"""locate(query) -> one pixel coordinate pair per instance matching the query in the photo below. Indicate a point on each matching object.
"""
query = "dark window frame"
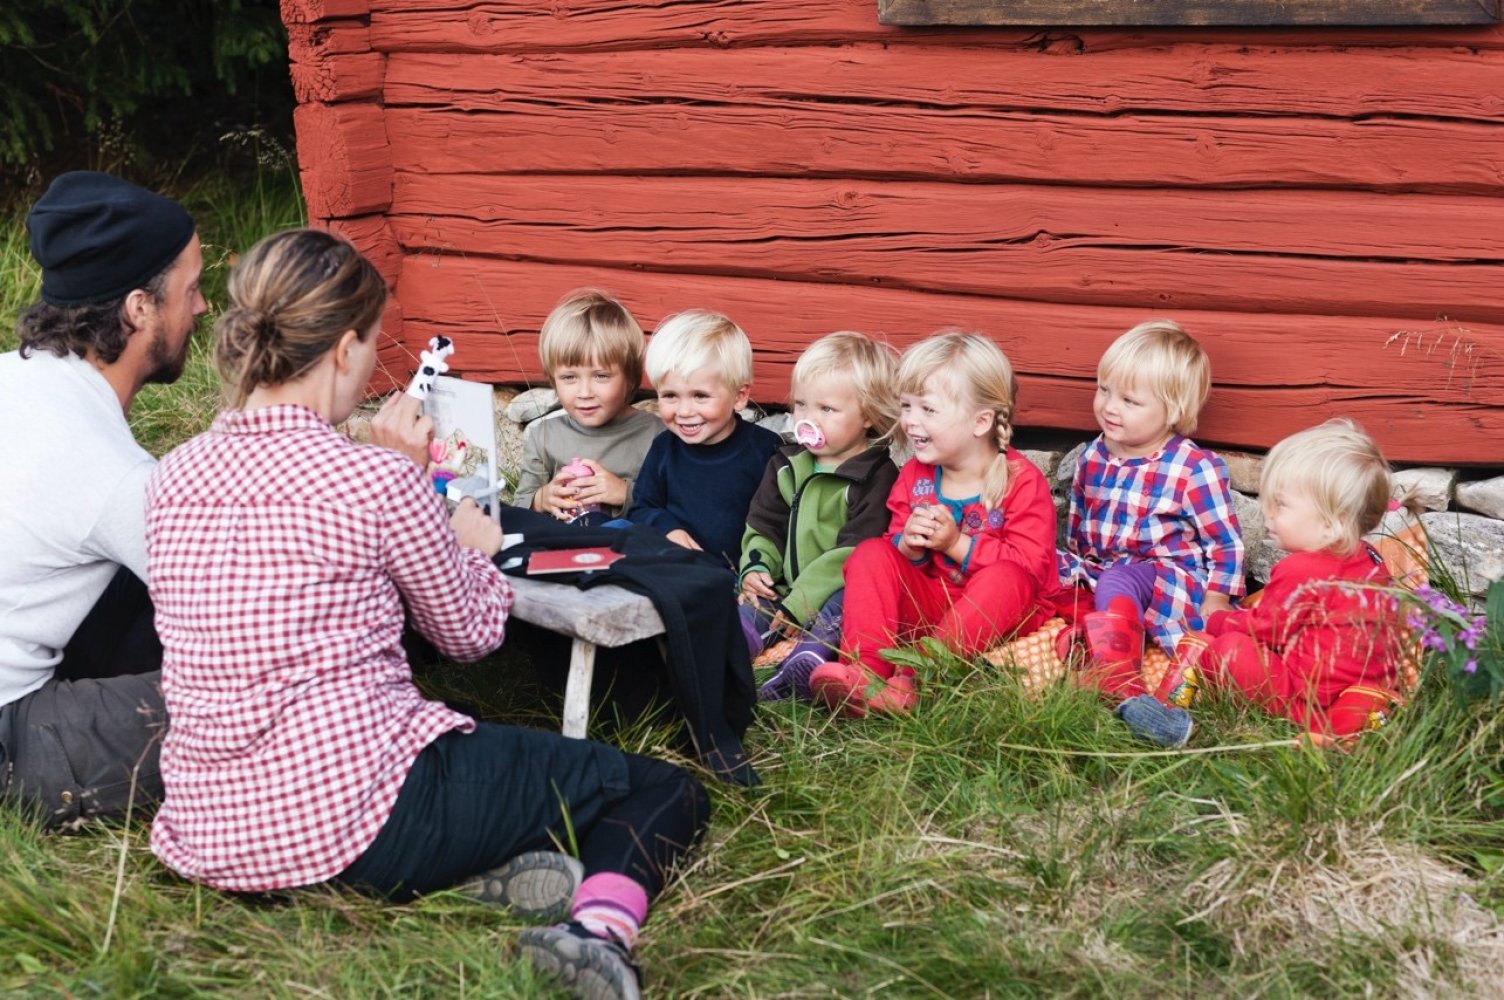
(1245, 13)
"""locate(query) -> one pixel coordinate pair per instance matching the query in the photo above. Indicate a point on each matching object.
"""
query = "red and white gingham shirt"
(280, 556)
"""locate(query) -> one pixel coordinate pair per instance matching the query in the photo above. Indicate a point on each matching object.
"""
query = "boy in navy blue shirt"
(697, 481)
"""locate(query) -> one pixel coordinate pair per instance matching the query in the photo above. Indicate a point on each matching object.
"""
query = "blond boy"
(591, 349)
(697, 481)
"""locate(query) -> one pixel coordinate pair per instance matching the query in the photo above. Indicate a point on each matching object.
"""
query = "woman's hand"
(474, 529)
(401, 426)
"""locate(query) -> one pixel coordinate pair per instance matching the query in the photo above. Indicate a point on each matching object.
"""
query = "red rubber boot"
(1115, 641)
(1357, 709)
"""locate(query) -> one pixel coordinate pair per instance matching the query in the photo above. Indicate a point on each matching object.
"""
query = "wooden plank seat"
(602, 616)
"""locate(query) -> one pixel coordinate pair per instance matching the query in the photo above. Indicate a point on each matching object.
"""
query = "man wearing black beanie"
(80, 698)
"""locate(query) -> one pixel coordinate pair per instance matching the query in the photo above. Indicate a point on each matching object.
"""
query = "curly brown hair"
(101, 326)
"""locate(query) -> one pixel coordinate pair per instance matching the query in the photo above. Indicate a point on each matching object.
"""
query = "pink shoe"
(853, 690)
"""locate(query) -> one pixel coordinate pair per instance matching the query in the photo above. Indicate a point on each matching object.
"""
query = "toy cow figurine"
(431, 365)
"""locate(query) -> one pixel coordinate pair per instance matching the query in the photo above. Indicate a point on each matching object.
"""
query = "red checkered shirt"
(281, 556)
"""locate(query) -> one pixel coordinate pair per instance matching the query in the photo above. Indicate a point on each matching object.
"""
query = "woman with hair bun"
(283, 559)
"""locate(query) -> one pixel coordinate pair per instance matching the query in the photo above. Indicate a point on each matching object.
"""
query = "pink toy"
(577, 469)
(808, 433)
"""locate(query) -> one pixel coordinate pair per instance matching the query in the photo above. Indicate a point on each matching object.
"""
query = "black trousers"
(474, 800)
(82, 744)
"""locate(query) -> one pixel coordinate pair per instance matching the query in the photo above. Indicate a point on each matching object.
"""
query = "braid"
(995, 484)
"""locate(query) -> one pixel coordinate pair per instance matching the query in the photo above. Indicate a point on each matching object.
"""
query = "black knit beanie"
(98, 237)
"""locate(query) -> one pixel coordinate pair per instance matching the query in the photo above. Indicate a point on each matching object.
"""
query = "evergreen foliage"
(113, 83)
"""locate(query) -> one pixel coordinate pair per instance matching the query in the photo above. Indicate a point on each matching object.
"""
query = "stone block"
(781, 424)
(1066, 470)
(1432, 486)
(1062, 520)
(1243, 470)
(1485, 496)
(1259, 555)
(532, 404)
(1470, 546)
(508, 434)
(1045, 461)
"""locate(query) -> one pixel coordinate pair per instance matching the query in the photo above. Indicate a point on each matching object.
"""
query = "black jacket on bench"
(709, 671)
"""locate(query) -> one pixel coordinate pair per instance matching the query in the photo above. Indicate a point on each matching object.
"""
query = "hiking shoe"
(536, 885)
(853, 690)
(792, 678)
(594, 968)
(1150, 719)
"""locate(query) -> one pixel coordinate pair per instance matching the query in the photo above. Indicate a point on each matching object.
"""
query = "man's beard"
(166, 367)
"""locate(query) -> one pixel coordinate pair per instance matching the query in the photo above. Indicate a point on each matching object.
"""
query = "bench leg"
(577, 688)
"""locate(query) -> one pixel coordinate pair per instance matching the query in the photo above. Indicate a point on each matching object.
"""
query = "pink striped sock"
(611, 906)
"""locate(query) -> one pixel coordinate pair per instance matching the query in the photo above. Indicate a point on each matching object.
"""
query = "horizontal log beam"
(1417, 257)
(1172, 151)
(1462, 84)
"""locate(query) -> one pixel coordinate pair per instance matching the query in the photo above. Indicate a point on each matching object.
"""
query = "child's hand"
(931, 527)
(555, 498)
(1213, 602)
(604, 487)
(401, 426)
(946, 531)
(681, 537)
(758, 584)
(474, 529)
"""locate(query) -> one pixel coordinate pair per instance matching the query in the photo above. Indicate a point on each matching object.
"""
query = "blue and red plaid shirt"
(1173, 509)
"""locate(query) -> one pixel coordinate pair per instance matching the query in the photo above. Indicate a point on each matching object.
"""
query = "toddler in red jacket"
(1323, 645)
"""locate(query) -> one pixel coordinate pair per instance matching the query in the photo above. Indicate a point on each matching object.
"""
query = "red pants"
(1270, 682)
(891, 602)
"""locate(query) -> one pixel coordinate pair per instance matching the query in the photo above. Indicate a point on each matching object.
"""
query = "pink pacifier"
(808, 433)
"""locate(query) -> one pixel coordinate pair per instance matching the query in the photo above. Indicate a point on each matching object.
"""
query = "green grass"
(993, 845)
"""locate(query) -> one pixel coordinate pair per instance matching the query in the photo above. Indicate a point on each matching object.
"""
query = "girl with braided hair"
(970, 546)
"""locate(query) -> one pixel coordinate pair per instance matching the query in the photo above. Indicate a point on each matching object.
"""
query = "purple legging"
(1134, 580)
(823, 634)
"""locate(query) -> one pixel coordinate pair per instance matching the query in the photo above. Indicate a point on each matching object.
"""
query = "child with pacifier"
(970, 545)
(1153, 542)
(817, 500)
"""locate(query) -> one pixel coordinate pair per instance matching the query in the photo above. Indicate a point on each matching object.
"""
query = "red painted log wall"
(1320, 207)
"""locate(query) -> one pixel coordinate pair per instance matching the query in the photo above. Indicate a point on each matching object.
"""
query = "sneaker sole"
(537, 885)
(591, 969)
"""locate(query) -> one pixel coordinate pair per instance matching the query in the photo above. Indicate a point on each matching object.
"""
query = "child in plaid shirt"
(1153, 542)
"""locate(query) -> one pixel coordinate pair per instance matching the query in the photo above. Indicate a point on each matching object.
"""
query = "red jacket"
(1324, 616)
(1020, 531)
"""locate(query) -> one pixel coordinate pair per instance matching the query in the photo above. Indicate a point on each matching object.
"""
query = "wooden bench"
(602, 616)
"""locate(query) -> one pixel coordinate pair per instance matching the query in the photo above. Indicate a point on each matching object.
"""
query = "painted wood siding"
(1321, 207)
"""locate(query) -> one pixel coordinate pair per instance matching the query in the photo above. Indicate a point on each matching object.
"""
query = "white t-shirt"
(72, 508)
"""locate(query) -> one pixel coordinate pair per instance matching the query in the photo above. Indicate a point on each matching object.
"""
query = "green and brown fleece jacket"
(803, 524)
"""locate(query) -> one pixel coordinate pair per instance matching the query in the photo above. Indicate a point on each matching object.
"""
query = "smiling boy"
(591, 348)
(697, 481)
